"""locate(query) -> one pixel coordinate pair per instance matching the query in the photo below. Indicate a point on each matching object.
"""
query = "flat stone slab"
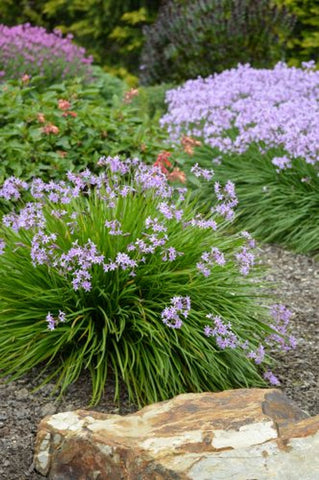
(244, 434)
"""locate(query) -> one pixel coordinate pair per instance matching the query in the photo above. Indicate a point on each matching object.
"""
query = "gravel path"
(297, 282)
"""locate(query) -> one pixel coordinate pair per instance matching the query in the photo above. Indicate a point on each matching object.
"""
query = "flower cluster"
(53, 322)
(26, 50)
(227, 200)
(202, 172)
(281, 340)
(2, 246)
(245, 259)
(189, 143)
(78, 261)
(225, 337)
(130, 94)
(11, 188)
(173, 174)
(163, 161)
(274, 108)
(180, 307)
(209, 259)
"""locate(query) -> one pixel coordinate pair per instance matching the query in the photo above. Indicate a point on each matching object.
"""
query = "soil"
(297, 283)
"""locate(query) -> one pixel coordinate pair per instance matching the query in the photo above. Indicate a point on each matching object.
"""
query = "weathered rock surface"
(248, 434)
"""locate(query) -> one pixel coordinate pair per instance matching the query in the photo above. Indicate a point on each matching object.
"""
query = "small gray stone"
(22, 394)
(48, 409)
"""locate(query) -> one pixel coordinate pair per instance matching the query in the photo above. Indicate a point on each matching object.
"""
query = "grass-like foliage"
(32, 51)
(117, 274)
(275, 206)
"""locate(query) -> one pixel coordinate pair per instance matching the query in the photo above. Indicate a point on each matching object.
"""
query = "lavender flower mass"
(273, 108)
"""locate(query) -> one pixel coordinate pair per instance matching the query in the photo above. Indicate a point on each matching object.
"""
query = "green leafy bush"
(190, 38)
(303, 43)
(118, 275)
(69, 126)
(109, 86)
(151, 100)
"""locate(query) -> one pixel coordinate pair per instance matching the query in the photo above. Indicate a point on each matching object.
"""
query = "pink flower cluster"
(274, 108)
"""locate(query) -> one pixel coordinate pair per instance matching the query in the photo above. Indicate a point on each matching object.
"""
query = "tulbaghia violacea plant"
(258, 127)
(118, 274)
(271, 107)
(27, 51)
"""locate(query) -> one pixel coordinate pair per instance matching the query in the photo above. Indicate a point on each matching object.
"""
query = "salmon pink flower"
(162, 161)
(130, 94)
(64, 104)
(69, 113)
(25, 79)
(177, 175)
(50, 128)
(41, 118)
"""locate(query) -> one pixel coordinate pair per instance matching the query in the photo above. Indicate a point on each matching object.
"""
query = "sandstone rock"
(248, 434)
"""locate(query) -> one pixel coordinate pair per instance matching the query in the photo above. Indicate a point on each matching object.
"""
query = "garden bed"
(297, 282)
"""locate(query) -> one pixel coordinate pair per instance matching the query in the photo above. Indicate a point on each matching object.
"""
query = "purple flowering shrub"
(27, 51)
(119, 274)
(259, 128)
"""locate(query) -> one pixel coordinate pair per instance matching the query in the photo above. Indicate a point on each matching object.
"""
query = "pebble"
(22, 394)
(48, 409)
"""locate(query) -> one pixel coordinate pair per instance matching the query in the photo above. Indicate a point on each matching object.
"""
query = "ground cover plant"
(259, 128)
(69, 125)
(32, 51)
(117, 273)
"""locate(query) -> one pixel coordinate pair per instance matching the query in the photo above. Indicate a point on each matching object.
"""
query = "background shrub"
(191, 38)
(303, 42)
(117, 274)
(32, 51)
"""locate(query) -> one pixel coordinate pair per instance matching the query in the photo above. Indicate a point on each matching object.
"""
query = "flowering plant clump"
(230, 111)
(117, 273)
(259, 128)
(27, 51)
